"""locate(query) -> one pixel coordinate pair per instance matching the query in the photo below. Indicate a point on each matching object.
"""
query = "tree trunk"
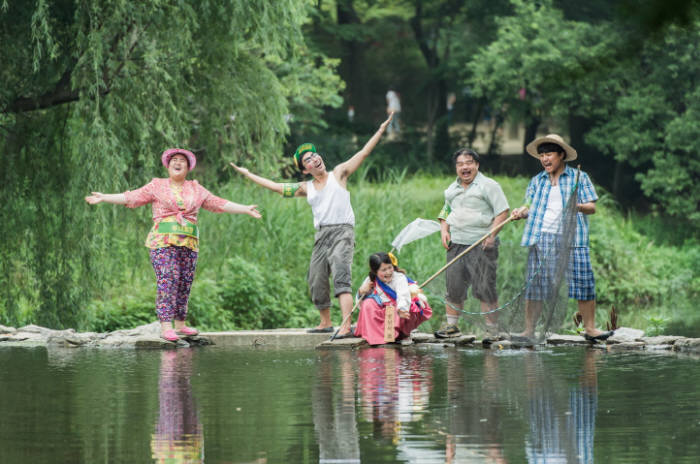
(352, 66)
(437, 135)
(476, 118)
(497, 123)
(532, 122)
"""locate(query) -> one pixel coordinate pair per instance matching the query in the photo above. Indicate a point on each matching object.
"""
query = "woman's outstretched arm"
(114, 198)
(236, 208)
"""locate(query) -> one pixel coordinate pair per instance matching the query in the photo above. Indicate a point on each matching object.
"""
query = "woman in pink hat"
(174, 238)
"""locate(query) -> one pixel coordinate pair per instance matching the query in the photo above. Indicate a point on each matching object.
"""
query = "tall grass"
(252, 274)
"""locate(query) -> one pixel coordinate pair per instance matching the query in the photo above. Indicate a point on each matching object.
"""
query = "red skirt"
(370, 323)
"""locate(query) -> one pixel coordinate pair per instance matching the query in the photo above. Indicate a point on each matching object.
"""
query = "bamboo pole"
(442, 269)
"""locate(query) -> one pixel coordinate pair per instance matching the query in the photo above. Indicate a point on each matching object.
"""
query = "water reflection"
(473, 410)
(414, 404)
(394, 389)
(379, 390)
(561, 417)
(333, 408)
(178, 436)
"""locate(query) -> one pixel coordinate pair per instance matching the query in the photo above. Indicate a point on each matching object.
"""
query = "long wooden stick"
(440, 271)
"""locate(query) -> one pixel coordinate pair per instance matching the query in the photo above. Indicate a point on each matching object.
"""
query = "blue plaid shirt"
(537, 195)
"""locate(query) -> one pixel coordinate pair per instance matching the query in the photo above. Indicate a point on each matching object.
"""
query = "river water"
(420, 404)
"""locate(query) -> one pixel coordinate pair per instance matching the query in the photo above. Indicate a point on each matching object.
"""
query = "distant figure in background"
(393, 105)
(451, 99)
(351, 113)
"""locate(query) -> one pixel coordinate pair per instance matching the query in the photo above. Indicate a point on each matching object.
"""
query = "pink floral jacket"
(159, 193)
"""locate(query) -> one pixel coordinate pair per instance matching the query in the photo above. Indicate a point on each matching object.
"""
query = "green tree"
(91, 93)
(618, 88)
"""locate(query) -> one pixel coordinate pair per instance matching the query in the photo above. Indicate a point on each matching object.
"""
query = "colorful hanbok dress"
(404, 295)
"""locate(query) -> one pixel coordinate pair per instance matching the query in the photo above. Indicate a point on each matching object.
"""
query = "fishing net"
(507, 283)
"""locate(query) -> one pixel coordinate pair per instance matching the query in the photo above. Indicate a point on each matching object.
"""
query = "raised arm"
(114, 198)
(343, 170)
(278, 187)
(267, 183)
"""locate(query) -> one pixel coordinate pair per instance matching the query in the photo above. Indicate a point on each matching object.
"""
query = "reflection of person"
(393, 106)
(546, 195)
(583, 403)
(552, 438)
(474, 203)
(379, 387)
(178, 436)
(333, 409)
(473, 412)
(334, 221)
(387, 286)
(395, 391)
(174, 238)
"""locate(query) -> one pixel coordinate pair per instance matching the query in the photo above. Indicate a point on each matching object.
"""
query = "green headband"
(301, 149)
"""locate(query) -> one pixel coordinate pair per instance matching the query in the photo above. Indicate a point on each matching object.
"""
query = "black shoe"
(599, 338)
(345, 335)
(324, 330)
(448, 331)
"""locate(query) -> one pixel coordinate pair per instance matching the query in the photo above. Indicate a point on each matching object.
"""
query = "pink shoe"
(188, 331)
(169, 335)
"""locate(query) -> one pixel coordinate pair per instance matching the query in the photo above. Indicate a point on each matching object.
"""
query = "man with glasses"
(474, 204)
(334, 221)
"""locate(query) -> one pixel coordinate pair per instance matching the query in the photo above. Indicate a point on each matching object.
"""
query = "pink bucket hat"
(169, 153)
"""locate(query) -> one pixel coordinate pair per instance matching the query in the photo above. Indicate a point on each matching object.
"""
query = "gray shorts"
(331, 256)
(477, 268)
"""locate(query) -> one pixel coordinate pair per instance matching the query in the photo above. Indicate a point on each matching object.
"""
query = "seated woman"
(387, 291)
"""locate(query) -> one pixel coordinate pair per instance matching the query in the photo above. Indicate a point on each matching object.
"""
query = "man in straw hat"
(474, 203)
(545, 197)
(334, 221)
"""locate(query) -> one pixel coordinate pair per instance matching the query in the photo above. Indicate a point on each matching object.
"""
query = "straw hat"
(167, 154)
(551, 138)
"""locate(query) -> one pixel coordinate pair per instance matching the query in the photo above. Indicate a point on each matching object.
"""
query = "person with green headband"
(334, 221)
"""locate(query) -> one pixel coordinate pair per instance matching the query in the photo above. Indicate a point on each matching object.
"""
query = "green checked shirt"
(470, 211)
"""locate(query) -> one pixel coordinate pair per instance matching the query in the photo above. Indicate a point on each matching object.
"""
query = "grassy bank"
(251, 274)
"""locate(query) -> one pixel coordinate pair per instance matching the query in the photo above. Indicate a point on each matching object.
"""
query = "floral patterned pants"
(174, 268)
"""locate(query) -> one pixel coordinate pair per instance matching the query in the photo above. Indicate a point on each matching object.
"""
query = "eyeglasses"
(308, 158)
(466, 163)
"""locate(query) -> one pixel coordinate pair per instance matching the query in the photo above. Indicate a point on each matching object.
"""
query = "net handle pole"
(486, 235)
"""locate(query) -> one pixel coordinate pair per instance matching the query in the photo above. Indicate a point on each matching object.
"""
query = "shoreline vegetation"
(253, 276)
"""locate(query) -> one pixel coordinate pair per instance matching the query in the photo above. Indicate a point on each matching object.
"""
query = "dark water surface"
(417, 405)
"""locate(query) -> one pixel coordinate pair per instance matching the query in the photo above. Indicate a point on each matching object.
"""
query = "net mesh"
(500, 301)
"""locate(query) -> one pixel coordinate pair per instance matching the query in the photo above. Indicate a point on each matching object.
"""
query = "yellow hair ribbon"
(393, 259)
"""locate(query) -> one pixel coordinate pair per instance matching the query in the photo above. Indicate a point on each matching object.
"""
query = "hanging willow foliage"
(92, 92)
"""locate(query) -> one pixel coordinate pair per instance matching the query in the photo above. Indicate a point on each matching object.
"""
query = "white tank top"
(330, 205)
(552, 215)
